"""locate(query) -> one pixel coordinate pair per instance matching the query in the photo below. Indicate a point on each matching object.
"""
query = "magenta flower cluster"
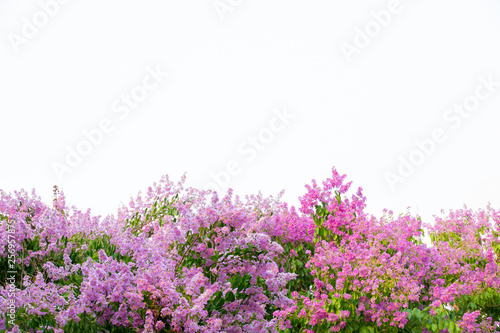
(179, 259)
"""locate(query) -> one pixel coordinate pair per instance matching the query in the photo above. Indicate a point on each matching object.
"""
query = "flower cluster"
(179, 259)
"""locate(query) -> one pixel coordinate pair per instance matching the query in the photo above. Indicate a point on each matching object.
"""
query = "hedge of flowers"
(179, 259)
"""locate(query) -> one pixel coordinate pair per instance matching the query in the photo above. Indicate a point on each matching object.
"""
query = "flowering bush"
(179, 259)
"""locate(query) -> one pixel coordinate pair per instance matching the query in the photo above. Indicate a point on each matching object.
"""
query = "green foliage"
(486, 300)
(443, 319)
(159, 209)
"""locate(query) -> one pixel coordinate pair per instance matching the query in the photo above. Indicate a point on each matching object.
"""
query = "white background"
(227, 74)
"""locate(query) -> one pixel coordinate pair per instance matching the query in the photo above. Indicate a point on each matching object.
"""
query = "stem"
(185, 252)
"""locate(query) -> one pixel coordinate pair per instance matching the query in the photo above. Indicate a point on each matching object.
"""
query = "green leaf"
(229, 296)
(217, 295)
(237, 281)
(366, 329)
(220, 303)
(451, 327)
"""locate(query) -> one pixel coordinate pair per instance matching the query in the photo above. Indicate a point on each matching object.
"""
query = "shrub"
(179, 259)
